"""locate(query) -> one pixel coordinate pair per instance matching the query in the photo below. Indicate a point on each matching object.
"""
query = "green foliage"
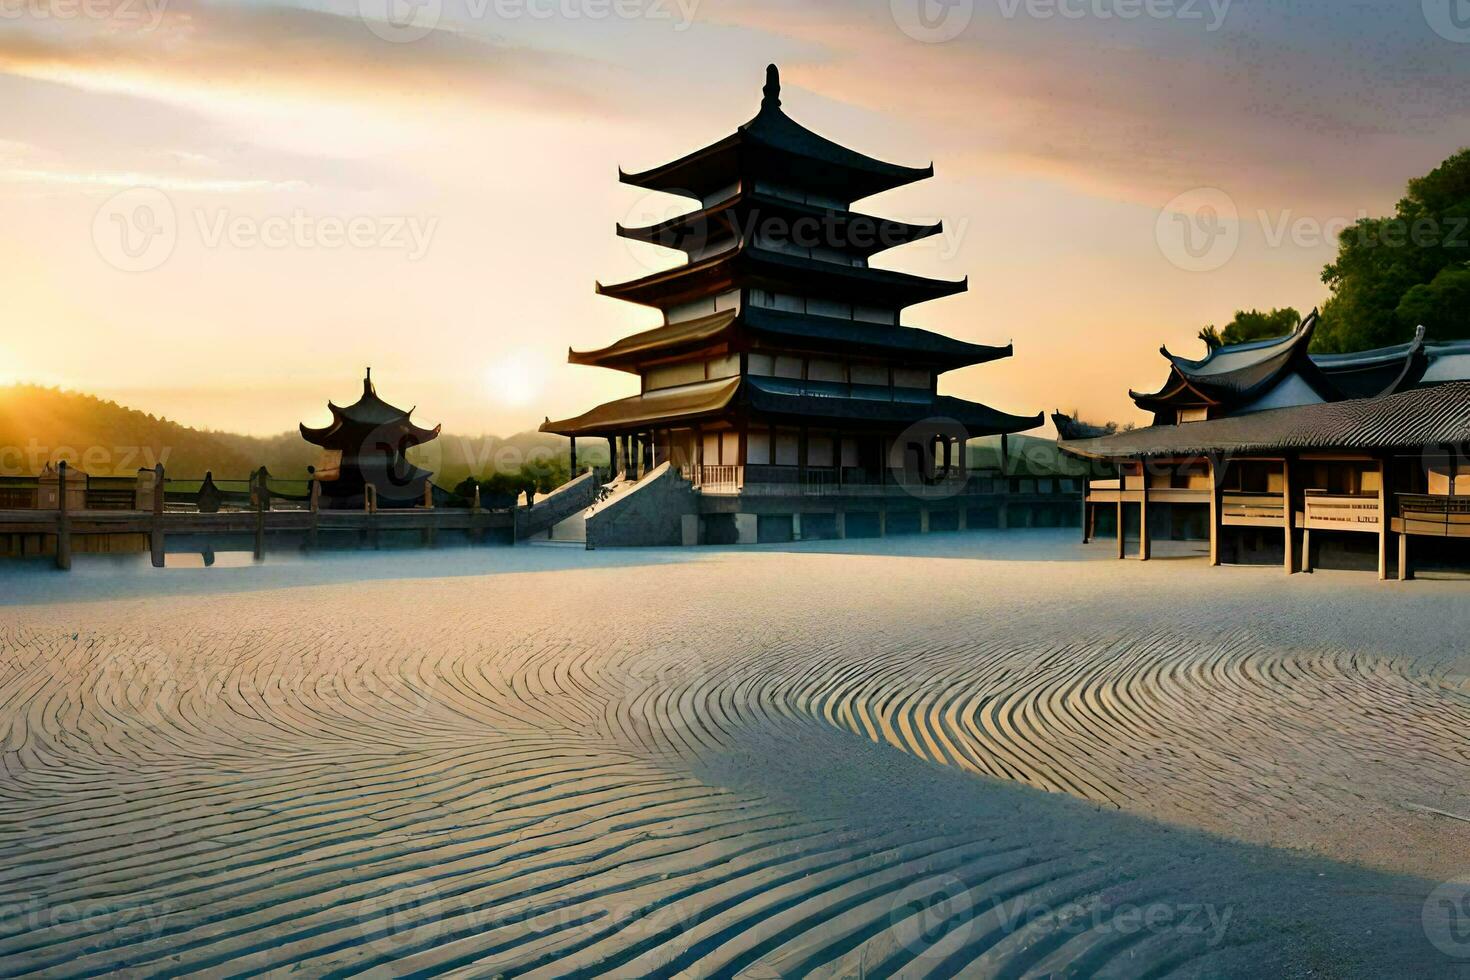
(1250, 325)
(1394, 273)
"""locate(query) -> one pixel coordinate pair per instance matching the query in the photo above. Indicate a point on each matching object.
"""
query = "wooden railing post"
(262, 496)
(428, 537)
(63, 520)
(155, 532)
(316, 509)
(370, 502)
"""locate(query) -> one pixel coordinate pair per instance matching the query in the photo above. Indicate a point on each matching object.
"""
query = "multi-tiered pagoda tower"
(782, 371)
(366, 444)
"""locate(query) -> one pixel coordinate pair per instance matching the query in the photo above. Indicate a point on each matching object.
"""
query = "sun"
(516, 379)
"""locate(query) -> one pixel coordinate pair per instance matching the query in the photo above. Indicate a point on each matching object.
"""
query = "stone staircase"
(573, 530)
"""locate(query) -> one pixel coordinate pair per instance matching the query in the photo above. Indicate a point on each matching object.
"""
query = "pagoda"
(781, 364)
(366, 445)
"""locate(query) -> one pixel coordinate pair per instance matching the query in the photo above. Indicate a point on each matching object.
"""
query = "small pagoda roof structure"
(1368, 374)
(774, 143)
(821, 333)
(1234, 376)
(365, 415)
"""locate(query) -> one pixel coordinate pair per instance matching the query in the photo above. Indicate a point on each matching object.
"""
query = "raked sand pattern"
(987, 755)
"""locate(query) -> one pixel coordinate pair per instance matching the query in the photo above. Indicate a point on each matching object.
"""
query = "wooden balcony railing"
(719, 479)
(1434, 516)
(1252, 509)
(1341, 512)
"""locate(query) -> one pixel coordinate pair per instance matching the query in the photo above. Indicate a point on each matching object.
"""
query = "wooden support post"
(63, 520)
(612, 457)
(573, 467)
(883, 522)
(1122, 492)
(155, 531)
(1406, 571)
(1288, 508)
(1384, 524)
(1217, 506)
(1145, 541)
(1307, 550)
(1086, 512)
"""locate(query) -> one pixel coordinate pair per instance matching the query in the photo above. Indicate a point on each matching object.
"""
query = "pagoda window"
(673, 375)
(849, 453)
(761, 365)
(721, 448)
(875, 314)
(820, 450)
(870, 374)
(826, 371)
(721, 195)
(758, 446)
(708, 306)
(723, 367)
(789, 302)
(827, 307)
(788, 367)
(910, 378)
(788, 447)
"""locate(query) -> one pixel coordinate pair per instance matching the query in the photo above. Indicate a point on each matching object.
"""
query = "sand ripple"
(518, 776)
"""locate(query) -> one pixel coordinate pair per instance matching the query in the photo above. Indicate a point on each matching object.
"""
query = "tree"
(1250, 325)
(1394, 273)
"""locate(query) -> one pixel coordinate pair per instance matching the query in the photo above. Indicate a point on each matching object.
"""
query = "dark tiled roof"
(688, 402)
(806, 155)
(814, 400)
(1407, 420)
(777, 325)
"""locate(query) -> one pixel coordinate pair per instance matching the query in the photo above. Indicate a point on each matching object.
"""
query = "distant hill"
(104, 438)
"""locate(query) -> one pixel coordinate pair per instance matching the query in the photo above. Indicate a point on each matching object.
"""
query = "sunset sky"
(310, 188)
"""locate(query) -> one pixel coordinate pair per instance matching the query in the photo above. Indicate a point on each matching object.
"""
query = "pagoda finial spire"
(773, 88)
(367, 383)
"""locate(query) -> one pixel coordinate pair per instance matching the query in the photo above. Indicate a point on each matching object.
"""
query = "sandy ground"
(981, 754)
